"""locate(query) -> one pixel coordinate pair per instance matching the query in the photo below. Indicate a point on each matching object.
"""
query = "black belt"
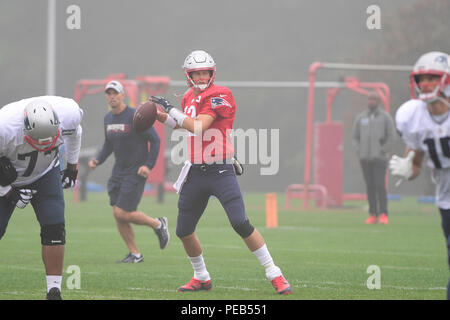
(207, 166)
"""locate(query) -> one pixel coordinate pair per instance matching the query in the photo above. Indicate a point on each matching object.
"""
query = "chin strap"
(444, 101)
(446, 93)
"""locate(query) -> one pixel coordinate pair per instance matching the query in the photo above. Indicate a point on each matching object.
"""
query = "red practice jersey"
(215, 144)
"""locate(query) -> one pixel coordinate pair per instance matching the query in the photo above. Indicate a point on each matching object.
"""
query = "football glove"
(21, 197)
(402, 167)
(8, 173)
(176, 114)
(69, 178)
(163, 102)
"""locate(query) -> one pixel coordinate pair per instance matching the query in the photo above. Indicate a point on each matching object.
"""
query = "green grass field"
(324, 255)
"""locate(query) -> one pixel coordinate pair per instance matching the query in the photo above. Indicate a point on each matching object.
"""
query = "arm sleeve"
(71, 130)
(73, 145)
(403, 118)
(106, 150)
(152, 136)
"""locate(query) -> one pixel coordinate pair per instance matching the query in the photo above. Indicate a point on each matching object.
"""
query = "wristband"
(170, 122)
(178, 116)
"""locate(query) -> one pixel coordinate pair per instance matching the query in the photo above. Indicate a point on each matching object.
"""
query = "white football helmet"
(199, 60)
(434, 63)
(41, 125)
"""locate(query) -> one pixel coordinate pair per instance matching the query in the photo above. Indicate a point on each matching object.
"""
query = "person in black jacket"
(133, 162)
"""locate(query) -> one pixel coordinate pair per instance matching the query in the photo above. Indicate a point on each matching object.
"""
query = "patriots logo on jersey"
(216, 102)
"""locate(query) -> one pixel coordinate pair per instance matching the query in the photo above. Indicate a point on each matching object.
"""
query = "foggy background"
(249, 40)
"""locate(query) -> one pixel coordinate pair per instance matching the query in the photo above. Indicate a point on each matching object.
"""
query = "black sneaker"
(54, 294)
(131, 258)
(163, 233)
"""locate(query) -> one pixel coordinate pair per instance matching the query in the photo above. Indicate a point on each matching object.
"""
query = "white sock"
(137, 255)
(53, 281)
(199, 266)
(160, 225)
(264, 257)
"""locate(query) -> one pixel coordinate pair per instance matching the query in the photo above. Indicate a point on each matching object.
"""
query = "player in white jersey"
(424, 125)
(31, 131)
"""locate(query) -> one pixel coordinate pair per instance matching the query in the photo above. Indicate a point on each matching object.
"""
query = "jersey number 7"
(33, 155)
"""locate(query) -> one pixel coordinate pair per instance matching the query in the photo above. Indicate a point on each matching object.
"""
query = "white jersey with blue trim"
(29, 163)
(421, 131)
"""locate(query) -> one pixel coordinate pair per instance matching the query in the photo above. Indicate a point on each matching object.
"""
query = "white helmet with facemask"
(431, 63)
(41, 125)
(196, 61)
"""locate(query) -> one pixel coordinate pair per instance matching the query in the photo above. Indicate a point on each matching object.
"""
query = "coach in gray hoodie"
(373, 138)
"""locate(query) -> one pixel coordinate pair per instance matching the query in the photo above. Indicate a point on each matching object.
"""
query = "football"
(145, 116)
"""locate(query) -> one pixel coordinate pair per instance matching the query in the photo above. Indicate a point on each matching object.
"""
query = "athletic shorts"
(126, 192)
(203, 181)
(48, 202)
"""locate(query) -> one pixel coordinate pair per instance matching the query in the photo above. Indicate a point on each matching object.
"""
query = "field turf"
(323, 254)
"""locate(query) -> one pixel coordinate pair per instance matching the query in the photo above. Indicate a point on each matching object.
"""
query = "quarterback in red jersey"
(208, 114)
(218, 103)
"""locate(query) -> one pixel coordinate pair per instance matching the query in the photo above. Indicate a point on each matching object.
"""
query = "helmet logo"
(199, 58)
(442, 60)
(27, 122)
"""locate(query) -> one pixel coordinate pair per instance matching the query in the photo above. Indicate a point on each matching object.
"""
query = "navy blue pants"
(48, 202)
(217, 180)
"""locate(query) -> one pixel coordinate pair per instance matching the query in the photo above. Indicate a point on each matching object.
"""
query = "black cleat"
(163, 233)
(54, 294)
(131, 258)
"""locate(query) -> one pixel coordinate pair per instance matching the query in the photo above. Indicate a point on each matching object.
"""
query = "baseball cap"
(116, 85)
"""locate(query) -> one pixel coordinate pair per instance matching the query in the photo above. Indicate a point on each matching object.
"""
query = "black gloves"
(69, 176)
(20, 197)
(162, 102)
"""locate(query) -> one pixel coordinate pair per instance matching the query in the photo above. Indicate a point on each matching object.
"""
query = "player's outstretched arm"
(175, 118)
(173, 121)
